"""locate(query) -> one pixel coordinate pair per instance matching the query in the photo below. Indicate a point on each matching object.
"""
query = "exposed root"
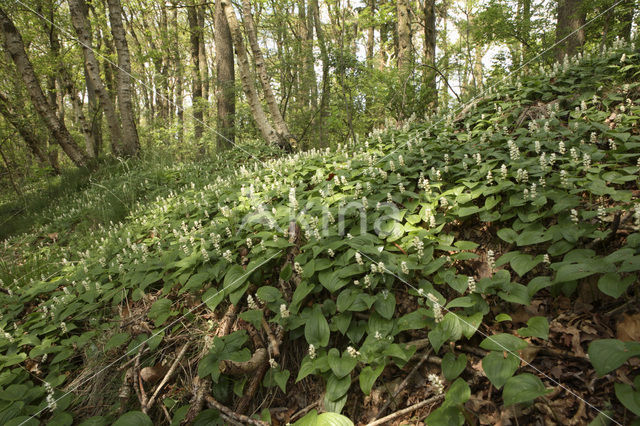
(414, 407)
(240, 418)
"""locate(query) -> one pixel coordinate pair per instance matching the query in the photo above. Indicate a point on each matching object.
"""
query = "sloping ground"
(486, 252)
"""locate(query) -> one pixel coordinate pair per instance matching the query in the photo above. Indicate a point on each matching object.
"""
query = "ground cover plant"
(474, 261)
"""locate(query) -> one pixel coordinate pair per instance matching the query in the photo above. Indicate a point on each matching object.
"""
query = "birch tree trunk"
(14, 45)
(78, 9)
(225, 81)
(259, 116)
(429, 75)
(131, 144)
(196, 80)
(258, 59)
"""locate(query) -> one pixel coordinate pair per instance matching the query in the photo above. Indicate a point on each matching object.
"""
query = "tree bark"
(25, 130)
(225, 81)
(202, 61)
(571, 15)
(196, 78)
(79, 13)
(429, 73)
(371, 33)
(14, 45)
(281, 126)
(326, 87)
(131, 143)
(259, 116)
(404, 37)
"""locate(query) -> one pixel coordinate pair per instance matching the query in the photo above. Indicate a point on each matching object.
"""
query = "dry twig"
(414, 407)
(232, 414)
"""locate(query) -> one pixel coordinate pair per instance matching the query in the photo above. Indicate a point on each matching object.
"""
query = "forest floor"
(480, 267)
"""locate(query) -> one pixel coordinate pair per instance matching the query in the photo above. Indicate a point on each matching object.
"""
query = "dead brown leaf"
(628, 329)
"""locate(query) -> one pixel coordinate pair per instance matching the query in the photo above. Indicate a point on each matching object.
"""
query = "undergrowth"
(323, 273)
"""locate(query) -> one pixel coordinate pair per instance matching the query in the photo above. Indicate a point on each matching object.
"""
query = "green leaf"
(629, 397)
(307, 366)
(458, 393)
(133, 418)
(281, 377)
(316, 330)
(325, 419)
(341, 365)
(160, 311)
(234, 278)
(368, 377)
(613, 285)
(608, 354)
(385, 306)
(522, 388)
(499, 368)
(536, 327)
(574, 271)
(523, 263)
(268, 294)
(508, 235)
(452, 366)
(116, 340)
(445, 415)
(503, 342)
(331, 281)
(337, 387)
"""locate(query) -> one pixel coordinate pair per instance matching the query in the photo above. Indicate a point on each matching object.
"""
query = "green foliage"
(401, 201)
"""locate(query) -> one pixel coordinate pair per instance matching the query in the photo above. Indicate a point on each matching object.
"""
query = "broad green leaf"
(458, 393)
(608, 354)
(316, 330)
(503, 342)
(536, 327)
(133, 418)
(629, 397)
(368, 377)
(452, 366)
(524, 387)
(341, 365)
(499, 368)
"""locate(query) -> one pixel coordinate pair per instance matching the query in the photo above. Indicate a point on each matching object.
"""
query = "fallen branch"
(232, 414)
(274, 344)
(200, 388)
(258, 359)
(166, 378)
(244, 402)
(403, 384)
(414, 407)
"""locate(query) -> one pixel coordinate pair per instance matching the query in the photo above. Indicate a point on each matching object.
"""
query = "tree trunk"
(571, 16)
(26, 131)
(78, 9)
(281, 127)
(429, 74)
(14, 45)
(225, 81)
(404, 38)
(627, 9)
(326, 88)
(202, 61)
(131, 144)
(196, 80)
(266, 130)
(178, 93)
(371, 33)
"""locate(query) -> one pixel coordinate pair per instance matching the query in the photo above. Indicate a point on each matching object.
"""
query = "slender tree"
(259, 116)
(15, 46)
(131, 144)
(225, 80)
(281, 126)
